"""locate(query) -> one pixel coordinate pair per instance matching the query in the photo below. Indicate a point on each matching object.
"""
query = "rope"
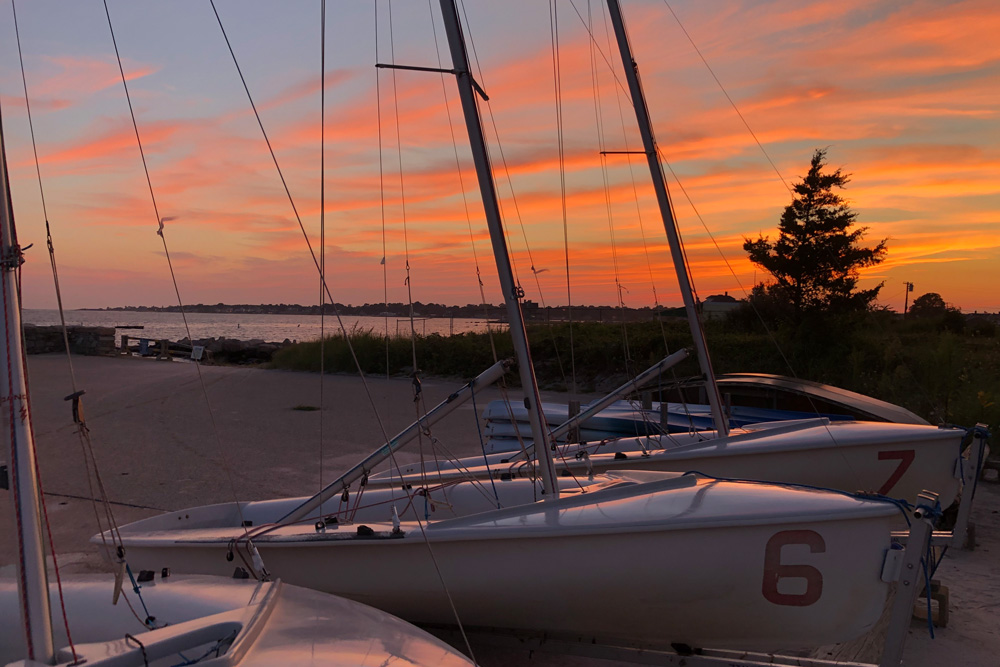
(247, 534)
(730, 99)
(418, 403)
(12, 416)
(381, 192)
(620, 289)
(145, 658)
(83, 432)
(23, 360)
(461, 183)
(298, 218)
(173, 277)
(45, 516)
(482, 444)
(557, 84)
(322, 231)
(517, 210)
(402, 198)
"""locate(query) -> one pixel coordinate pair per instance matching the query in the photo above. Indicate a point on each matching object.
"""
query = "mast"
(32, 583)
(669, 222)
(512, 293)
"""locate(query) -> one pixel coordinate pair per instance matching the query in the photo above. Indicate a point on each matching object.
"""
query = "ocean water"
(241, 326)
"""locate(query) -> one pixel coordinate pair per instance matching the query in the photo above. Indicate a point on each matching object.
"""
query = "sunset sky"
(904, 95)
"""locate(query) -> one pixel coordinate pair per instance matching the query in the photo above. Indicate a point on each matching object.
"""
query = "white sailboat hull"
(276, 624)
(682, 559)
(896, 460)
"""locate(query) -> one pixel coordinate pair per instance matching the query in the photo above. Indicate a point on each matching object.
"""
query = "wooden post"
(124, 349)
(164, 350)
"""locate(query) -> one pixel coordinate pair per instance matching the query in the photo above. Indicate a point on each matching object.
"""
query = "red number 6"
(774, 571)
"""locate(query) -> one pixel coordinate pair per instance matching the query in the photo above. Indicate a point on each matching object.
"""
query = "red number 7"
(905, 457)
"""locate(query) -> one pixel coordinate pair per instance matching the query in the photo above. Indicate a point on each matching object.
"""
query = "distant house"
(717, 306)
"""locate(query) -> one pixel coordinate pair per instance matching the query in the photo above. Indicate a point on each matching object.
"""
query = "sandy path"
(154, 440)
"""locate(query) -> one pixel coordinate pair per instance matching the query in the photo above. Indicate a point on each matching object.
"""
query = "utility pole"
(906, 298)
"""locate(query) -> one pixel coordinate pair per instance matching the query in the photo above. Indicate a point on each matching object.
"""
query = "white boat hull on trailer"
(653, 559)
(270, 624)
(896, 460)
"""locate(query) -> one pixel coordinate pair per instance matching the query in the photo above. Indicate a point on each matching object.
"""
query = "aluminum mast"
(512, 293)
(32, 583)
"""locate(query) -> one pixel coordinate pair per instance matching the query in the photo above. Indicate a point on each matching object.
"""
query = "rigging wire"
(517, 211)
(730, 99)
(402, 208)
(593, 40)
(628, 160)
(83, 433)
(393, 460)
(503, 161)
(763, 150)
(461, 183)
(9, 301)
(381, 192)
(602, 142)
(560, 131)
(663, 161)
(500, 205)
(415, 377)
(298, 218)
(173, 277)
(620, 289)
(322, 230)
(418, 402)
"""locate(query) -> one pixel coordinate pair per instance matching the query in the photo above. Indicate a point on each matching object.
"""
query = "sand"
(160, 449)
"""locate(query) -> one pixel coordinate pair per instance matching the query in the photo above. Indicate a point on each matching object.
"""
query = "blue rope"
(927, 589)
(940, 560)
(482, 442)
(984, 438)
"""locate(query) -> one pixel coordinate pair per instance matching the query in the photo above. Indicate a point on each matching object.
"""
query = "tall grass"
(941, 375)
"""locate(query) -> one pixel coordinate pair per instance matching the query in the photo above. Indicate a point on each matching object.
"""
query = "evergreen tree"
(815, 261)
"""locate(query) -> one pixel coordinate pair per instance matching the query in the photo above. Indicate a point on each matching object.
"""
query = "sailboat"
(188, 618)
(894, 459)
(640, 558)
(751, 398)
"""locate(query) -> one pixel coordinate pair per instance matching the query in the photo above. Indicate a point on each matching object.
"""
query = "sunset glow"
(905, 96)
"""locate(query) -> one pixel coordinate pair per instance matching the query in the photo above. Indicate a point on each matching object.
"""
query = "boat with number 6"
(643, 558)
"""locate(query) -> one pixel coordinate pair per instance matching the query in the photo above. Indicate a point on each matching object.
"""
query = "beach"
(160, 448)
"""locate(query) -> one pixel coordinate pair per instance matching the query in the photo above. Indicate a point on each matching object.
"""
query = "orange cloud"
(847, 75)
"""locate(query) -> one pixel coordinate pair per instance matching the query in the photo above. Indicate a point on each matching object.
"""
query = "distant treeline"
(531, 309)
